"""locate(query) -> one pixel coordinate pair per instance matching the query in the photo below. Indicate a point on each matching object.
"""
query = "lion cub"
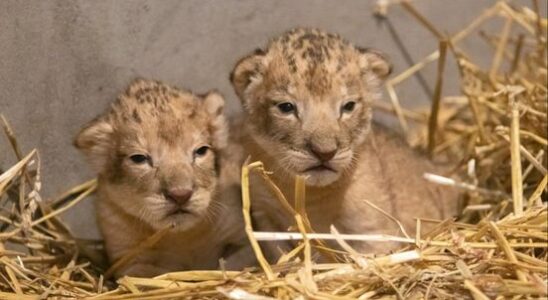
(158, 152)
(307, 100)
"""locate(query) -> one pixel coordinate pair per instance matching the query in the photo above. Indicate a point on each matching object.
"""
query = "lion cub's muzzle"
(178, 196)
(324, 155)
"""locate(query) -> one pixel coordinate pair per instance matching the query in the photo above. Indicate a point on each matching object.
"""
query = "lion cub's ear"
(247, 72)
(375, 61)
(95, 142)
(214, 104)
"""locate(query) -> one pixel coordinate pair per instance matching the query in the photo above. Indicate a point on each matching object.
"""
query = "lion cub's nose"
(322, 155)
(178, 195)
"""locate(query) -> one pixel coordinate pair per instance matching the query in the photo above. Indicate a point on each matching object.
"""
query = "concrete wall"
(62, 62)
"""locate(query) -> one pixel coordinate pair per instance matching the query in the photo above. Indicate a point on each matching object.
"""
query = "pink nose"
(321, 154)
(179, 196)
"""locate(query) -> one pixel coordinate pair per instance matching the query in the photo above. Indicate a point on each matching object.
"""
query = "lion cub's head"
(307, 97)
(156, 150)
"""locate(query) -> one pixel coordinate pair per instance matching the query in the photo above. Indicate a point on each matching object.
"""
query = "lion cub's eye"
(139, 158)
(286, 107)
(349, 106)
(201, 151)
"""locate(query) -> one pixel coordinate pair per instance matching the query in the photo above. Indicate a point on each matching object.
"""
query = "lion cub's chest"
(179, 252)
(270, 215)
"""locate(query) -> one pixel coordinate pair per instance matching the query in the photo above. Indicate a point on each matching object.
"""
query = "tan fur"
(167, 125)
(319, 73)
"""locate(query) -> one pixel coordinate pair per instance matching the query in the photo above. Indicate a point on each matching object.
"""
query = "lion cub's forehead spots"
(317, 61)
(154, 112)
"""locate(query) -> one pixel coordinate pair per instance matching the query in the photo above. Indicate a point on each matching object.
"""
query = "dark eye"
(286, 107)
(349, 106)
(139, 158)
(201, 151)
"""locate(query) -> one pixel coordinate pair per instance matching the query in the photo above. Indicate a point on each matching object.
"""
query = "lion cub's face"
(307, 96)
(155, 152)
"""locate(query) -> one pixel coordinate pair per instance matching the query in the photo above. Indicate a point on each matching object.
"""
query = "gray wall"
(62, 62)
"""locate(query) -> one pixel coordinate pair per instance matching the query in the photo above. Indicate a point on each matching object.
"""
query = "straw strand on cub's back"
(158, 152)
(307, 99)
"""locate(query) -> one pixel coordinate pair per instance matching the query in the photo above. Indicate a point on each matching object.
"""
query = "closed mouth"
(320, 168)
(178, 211)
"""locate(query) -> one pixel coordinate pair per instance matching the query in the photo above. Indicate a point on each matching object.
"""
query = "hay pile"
(496, 131)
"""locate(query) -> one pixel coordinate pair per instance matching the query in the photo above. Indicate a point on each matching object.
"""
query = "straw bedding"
(495, 132)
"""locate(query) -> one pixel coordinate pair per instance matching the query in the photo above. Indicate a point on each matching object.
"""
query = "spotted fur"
(165, 125)
(319, 73)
